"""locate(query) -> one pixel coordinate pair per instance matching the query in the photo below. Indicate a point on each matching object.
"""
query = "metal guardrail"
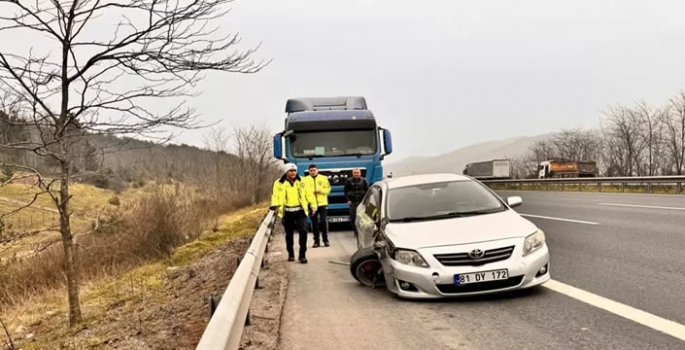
(623, 181)
(226, 325)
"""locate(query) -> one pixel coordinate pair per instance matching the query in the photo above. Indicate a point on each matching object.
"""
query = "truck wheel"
(366, 268)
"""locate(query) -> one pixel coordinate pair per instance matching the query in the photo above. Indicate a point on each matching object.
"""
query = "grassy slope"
(134, 292)
(20, 231)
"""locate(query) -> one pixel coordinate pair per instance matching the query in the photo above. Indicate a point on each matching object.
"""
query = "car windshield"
(441, 200)
(333, 143)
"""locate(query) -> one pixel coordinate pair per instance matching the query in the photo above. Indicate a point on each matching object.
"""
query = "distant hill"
(454, 161)
(116, 162)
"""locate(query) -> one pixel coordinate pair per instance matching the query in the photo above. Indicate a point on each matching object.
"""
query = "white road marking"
(671, 328)
(560, 219)
(339, 262)
(641, 206)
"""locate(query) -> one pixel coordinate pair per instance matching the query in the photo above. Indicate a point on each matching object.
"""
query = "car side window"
(372, 206)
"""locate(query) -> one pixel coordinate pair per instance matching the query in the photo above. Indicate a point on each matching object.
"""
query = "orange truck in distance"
(557, 168)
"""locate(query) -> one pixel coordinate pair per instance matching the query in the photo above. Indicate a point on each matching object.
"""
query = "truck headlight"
(533, 242)
(410, 258)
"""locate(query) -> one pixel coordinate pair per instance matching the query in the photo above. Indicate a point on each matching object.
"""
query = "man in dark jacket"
(355, 190)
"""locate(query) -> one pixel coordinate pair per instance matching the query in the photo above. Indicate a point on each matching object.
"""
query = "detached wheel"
(366, 268)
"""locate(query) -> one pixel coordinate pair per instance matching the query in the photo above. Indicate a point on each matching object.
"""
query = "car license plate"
(478, 277)
(340, 219)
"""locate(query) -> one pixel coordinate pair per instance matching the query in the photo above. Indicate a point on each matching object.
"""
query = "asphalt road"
(622, 248)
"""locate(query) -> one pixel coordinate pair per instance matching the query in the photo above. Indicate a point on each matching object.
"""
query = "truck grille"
(337, 200)
(338, 177)
(463, 259)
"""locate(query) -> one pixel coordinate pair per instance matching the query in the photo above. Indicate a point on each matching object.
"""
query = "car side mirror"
(514, 201)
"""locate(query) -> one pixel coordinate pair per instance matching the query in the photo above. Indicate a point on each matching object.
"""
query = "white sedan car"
(443, 235)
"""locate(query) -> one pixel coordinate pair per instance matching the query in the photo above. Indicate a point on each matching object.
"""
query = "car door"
(367, 213)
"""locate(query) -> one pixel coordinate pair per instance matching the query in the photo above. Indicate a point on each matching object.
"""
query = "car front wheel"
(366, 268)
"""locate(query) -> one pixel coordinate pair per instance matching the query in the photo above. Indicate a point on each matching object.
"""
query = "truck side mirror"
(278, 146)
(387, 142)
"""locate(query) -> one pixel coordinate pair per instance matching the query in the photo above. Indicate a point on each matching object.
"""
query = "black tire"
(364, 266)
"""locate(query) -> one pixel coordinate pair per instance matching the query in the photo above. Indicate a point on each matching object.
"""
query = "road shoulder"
(269, 299)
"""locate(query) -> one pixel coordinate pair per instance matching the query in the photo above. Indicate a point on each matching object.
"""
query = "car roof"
(420, 179)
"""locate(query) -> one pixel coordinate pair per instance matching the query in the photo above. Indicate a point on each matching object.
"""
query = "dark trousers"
(293, 221)
(320, 222)
(353, 216)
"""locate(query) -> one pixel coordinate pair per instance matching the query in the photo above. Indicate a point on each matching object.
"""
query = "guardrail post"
(679, 187)
(599, 187)
(213, 303)
(649, 187)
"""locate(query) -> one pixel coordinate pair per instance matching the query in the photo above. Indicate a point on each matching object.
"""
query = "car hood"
(455, 231)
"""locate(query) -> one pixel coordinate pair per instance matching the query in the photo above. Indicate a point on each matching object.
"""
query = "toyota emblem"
(476, 254)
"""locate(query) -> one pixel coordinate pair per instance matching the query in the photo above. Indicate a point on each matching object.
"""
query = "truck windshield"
(333, 143)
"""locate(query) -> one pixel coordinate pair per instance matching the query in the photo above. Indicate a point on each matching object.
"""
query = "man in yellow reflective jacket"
(321, 187)
(292, 198)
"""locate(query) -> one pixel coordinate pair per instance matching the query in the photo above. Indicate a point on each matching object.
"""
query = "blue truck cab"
(338, 134)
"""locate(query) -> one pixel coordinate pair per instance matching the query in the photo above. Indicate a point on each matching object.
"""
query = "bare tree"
(675, 134)
(222, 186)
(253, 147)
(243, 164)
(159, 48)
(622, 146)
(542, 150)
(523, 167)
(650, 123)
(10, 343)
(577, 144)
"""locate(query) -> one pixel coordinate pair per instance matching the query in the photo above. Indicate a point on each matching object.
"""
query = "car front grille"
(480, 287)
(463, 259)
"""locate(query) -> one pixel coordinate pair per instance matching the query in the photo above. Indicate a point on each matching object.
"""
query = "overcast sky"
(445, 74)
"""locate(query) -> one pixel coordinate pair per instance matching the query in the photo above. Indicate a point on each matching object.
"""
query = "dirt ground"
(178, 324)
(268, 301)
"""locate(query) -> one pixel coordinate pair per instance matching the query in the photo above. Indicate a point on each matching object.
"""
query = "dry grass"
(29, 228)
(142, 230)
(122, 298)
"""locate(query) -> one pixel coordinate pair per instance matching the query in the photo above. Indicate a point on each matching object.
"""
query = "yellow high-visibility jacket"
(297, 193)
(320, 183)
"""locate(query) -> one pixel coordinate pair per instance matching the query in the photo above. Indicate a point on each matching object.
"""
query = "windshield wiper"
(358, 154)
(431, 217)
(481, 212)
(453, 214)
(408, 219)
